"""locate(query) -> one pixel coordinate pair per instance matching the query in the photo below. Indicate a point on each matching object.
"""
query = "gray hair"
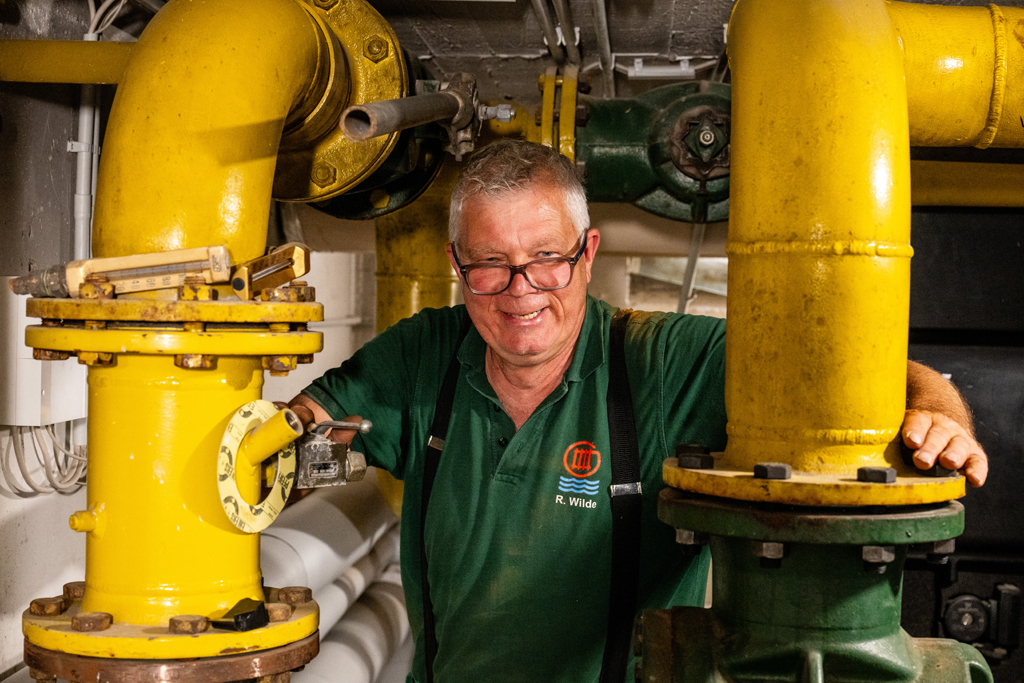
(509, 166)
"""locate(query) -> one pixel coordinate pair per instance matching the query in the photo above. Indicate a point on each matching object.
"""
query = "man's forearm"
(928, 390)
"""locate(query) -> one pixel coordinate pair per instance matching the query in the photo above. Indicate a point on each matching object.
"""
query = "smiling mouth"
(528, 316)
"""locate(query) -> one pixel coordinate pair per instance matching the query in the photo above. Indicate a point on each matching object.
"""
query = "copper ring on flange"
(236, 667)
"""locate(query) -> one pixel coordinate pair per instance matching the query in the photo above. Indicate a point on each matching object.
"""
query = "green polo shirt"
(518, 530)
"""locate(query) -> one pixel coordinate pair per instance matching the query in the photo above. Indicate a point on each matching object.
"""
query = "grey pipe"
(604, 45)
(365, 121)
(540, 7)
(568, 30)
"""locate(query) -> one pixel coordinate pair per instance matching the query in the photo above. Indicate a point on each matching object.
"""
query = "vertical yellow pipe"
(192, 141)
(162, 544)
(965, 73)
(413, 272)
(819, 232)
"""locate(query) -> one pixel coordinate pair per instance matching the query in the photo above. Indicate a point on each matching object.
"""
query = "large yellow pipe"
(965, 73)
(819, 233)
(192, 141)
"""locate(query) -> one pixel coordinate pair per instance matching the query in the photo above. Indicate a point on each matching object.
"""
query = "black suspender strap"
(435, 445)
(625, 492)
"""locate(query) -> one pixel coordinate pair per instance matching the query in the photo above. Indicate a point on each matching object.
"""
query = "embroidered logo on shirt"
(582, 459)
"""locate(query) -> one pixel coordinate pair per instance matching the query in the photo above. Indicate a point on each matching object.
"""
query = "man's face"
(524, 326)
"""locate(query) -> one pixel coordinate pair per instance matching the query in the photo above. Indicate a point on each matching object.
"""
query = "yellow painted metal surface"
(131, 641)
(819, 236)
(167, 342)
(63, 61)
(835, 487)
(548, 87)
(567, 111)
(257, 312)
(326, 164)
(949, 183)
(964, 73)
(191, 145)
(523, 125)
(413, 271)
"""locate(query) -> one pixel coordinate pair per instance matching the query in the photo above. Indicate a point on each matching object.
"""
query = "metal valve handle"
(363, 427)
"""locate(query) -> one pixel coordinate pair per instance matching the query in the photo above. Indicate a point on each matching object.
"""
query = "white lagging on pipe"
(318, 538)
(336, 597)
(366, 639)
(86, 147)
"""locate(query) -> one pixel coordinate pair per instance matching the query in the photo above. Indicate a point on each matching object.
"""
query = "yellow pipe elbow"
(965, 73)
(269, 437)
(192, 142)
(819, 232)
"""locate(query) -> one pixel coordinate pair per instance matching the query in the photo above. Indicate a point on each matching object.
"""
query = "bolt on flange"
(97, 358)
(195, 361)
(770, 553)
(91, 621)
(46, 607)
(183, 624)
(323, 174)
(295, 595)
(375, 49)
(877, 558)
(50, 354)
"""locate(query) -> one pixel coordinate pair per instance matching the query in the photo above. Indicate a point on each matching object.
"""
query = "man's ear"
(593, 240)
(451, 256)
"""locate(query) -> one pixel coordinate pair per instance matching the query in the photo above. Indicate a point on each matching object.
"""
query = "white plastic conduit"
(336, 597)
(318, 538)
(366, 639)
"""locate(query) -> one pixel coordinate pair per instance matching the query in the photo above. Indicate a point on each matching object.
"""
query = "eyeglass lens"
(542, 274)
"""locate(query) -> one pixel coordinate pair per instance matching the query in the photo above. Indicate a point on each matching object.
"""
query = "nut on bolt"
(46, 607)
(42, 676)
(91, 621)
(295, 595)
(770, 553)
(74, 590)
(877, 557)
(375, 49)
(876, 475)
(279, 366)
(323, 174)
(96, 358)
(50, 354)
(325, 4)
(279, 611)
(188, 624)
(773, 470)
(195, 361)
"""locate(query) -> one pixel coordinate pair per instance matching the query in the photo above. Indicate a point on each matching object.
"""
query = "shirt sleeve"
(392, 381)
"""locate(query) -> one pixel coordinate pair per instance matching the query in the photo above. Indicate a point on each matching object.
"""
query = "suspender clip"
(633, 489)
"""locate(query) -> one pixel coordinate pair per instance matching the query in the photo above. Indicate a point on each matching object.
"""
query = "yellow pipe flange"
(567, 112)
(729, 481)
(148, 310)
(253, 517)
(164, 342)
(133, 641)
(376, 71)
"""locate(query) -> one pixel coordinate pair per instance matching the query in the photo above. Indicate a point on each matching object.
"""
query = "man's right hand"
(310, 412)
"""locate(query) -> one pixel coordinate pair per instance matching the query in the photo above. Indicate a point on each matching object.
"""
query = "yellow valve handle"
(252, 518)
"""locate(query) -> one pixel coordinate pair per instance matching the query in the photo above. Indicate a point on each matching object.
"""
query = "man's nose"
(520, 285)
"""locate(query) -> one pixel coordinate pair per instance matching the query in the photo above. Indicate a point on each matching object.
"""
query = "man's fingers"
(977, 468)
(916, 424)
(954, 455)
(935, 441)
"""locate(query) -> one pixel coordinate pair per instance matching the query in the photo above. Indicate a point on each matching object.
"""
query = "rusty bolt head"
(295, 595)
(37, 675)
(196, 292)
(96, 358)
(91, 621)
(325, 4)
(323, 174)
(271, 595)
(49, 354)
(188, 623)
(96, 290)
(303, 292)
(195, 361)
(305, 359)
(279, 611)
(278, 294)
(375, 49)
(46, 607)
(75, 590)
(280, 366)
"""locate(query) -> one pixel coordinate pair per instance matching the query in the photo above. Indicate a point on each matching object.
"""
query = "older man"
(516, 539)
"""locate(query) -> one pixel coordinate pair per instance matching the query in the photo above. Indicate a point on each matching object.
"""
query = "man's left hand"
(937, 438)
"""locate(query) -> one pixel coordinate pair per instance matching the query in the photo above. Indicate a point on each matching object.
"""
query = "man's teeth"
(528, 316)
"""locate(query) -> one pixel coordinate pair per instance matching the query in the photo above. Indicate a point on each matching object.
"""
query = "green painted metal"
(626, 146)
(891, 525)
(816, 614)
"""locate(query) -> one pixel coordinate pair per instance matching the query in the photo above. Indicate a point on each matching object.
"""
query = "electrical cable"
(63, 469)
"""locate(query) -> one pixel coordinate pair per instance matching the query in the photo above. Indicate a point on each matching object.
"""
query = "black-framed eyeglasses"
(545, 274)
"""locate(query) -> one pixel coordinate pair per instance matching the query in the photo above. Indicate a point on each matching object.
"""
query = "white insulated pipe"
(336, 597)
(366, 639)
(321, 536)
(87, 162)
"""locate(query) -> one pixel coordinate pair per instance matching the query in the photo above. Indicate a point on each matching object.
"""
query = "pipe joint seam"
(995, 109)
(863, 437)
(822, 248)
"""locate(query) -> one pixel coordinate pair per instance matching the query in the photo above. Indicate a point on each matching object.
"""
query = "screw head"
(375, 49)
(323, 174)
(295, 595)
(279, 611)
(46, 607)
(876, 475)
(188, 623)
(91, 621)
(773, 470)
(707, 138)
